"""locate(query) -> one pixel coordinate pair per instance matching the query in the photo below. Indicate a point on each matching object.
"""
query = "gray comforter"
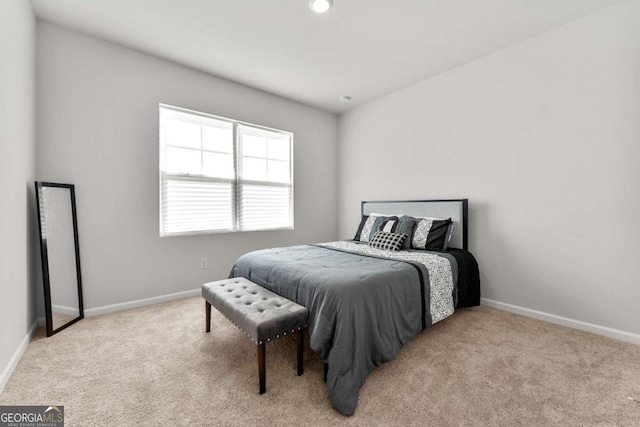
(363, 308)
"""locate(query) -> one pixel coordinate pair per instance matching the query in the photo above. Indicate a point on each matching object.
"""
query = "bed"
(364, 302)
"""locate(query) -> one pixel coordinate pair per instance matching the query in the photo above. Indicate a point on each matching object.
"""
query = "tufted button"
(237, 296)
(247, 303)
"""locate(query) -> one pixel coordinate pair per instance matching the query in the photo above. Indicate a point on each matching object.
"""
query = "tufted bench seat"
(259, 313)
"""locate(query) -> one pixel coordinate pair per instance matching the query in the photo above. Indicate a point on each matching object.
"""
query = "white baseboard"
(140, 303)
(17, 355)
(564, 321)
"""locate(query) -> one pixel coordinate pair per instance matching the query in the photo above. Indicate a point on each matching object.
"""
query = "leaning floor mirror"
(60, 255)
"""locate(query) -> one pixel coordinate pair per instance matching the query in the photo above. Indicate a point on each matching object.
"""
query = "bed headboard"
(457, 210)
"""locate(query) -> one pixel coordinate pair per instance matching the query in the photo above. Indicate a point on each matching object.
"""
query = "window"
(222, 175)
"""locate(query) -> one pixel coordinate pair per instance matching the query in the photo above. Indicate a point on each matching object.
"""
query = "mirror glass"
(60, 255)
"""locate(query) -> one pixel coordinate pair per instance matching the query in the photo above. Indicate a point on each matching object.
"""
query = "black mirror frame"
(45, 257)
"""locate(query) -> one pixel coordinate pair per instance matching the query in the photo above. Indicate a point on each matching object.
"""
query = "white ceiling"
(362, 48)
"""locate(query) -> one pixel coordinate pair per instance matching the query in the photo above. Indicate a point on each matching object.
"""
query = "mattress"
(364, 303)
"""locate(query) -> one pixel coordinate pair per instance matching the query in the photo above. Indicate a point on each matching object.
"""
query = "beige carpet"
(157, 366)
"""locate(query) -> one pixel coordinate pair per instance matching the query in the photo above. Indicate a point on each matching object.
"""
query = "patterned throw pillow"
(402, 224)
(387, 241)
(384, 223)
(372, 223)
(363, 221)
(431, 234)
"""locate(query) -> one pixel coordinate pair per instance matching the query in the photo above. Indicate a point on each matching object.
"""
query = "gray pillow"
(405, 226)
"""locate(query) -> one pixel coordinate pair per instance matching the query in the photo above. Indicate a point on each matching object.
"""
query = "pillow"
(387, 241)
(365, 228)
(384, 223)
(376, 223)
(363, 221)
(431, 234)
(405, 226)
(449, 234)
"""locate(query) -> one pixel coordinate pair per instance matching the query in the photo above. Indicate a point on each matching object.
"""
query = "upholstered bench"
(259, 313)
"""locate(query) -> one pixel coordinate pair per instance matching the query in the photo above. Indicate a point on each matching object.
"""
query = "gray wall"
(17, 172)
(97, 110)
(543, 138)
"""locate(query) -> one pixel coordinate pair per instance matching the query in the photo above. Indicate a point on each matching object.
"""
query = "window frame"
(236, 182)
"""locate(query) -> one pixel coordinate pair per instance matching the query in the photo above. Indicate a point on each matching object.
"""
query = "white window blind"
(221, 175)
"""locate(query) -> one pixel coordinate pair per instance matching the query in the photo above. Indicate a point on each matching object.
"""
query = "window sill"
(205, 232)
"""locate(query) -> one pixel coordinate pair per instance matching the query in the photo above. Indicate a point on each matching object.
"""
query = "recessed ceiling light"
(345, 98)
(320, 6)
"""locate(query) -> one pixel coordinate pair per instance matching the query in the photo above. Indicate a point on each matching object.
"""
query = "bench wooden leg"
(208, 311)
(300, 352)
(326, 371)
(262, 350)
